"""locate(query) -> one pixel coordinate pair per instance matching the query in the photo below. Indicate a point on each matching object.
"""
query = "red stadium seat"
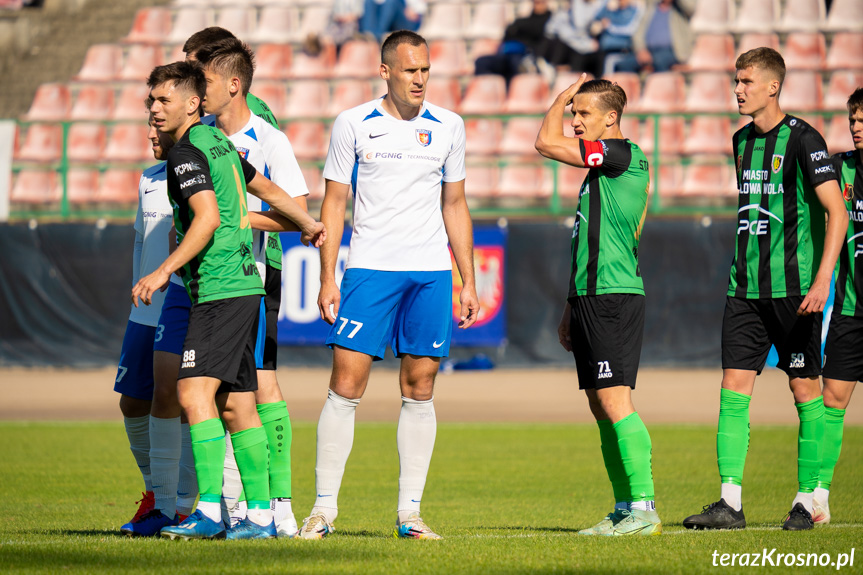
(83, 186)
(128, 143)
(273, 61)
(314, 181)
(711, 92)
(842, 85)
(140, 61)
(482, 47)
(151, 25)
(712, 178)
(663, 92)
(802, 16)
(804, 51)
(349, 94)
(119, 187)
(482, 180)
(273, 94)
(846, 51)
(838, 136)
(528, 94)
(308, 139)
(129, 105)
(712, 53)
(489, 20)
(519, 137)
(52, 102)
(94, 102)
(239, 19)
(631, 84)
(276, 24)
(358, 59)
(563, 81)
(35, 187)
(712, 16)
(845, 15)
(314, 20)
(444, 92)
(86, 142)
(308, 99)
(449, 58)
(483, 136)
(187, 21)
(569, 180)
(708, 135)
(319, 66)
(757, 16)
(801, 92)
(671, 136)
(101, 64)
(42, 143)
(484, 95)
(444, 21)
(670, 181)
(526, 180)
(756, 40)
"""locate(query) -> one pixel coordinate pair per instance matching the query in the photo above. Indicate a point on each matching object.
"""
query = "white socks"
(415, 440)
(642, 505)
(805, 499)
(821, 495)
(211, 510)
(165, 462)
(731, 494)
(233, 510)
(281, 507)
(334, 443)
(187, 489)
(138, 432)
(262, 517)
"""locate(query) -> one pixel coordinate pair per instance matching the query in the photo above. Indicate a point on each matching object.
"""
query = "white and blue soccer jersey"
(271, 153)
(396, 168)
(152, 228)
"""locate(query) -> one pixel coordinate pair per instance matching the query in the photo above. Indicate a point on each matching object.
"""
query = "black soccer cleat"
(717, 515)
(798, 519)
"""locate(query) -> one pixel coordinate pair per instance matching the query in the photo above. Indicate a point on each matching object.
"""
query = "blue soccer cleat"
(196, 526)
(149, 525)
(248, 529)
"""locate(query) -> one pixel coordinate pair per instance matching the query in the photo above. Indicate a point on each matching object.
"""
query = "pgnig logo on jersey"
(424, 137)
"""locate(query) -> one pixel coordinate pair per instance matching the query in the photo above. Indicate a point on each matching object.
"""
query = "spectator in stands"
(523, 43)
(383, 16)
(570, 44)
(344, 21)
(614, 25)
(664, 39)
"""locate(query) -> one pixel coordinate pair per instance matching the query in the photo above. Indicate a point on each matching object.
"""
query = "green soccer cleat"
(606, 525)
(414, 528)
(636, 522)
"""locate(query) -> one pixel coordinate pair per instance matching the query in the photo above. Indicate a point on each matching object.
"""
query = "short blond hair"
(611, 96)
(763, 58)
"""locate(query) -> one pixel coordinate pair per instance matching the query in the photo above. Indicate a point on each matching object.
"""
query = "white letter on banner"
(301, 271)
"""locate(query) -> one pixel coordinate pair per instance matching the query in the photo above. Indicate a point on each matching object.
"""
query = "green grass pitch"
(507, 498)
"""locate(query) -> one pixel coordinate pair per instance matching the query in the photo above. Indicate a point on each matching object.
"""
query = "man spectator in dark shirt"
(524, 38)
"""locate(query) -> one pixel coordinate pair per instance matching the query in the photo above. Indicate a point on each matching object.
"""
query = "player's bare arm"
(271, 222)
(333, 217)
(314, 232)
(459, 230)
(837, 225)
(563, 328)
(551, 141)
(203, 226)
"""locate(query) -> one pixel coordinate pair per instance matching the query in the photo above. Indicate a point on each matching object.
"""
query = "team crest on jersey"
(244, 152)
(777, 163)
(848, 192)
(423, 137)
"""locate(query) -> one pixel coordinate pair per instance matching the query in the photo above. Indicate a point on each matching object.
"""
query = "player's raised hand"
(563, 328)
(314, 234)
(147, 286)
(328, 301)
(816, 298)
(569, 94)
(469, 307)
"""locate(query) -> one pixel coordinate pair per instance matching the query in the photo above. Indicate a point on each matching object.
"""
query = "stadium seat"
(842, 84)
(86, 142)
(42, 143)
(756, 16)
(804, 51)
(838, 136)
(484, 95)
(93, 102)
(444, 21)
(708, 135)
(239, 19)
(569, 180)
(101, 64)
(444, 92)
(187, 21)
(845, 15)
(483, 136)
(481, 180)
(663, 92)
(308, 139)
(140, 61)
(358, 59)
(846, 51)
(52, 102)
(711, 92)
(519, 136)
(482, 47)
(489, 20)
(712, 16)
(563, 81)
(314, 181)
(308, 99)
(670, 181)
(273, 94)
(313, 21)
(712, 53)
(630, 127)
(276, 24)
(526, 180)
(82, 186)
(129, 105)
(449, 58)
(317, 66)
(756, 40)
(119, 187)
(712, 178)
(801, 92)
(273, 61)
(349, 94)
(631, 84)
(802, 16)
(128, 143)
(528, 94)
(35, 187)
(151, 25)
(671, 136)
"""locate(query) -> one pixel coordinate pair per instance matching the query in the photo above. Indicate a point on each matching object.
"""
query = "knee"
(134, 407)
(805, 389)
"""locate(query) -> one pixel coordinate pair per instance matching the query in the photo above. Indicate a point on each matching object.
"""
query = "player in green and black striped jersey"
(779, 282)
(843, 362)
(603, 319)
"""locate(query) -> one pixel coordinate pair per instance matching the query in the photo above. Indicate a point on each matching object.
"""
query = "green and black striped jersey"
(612, 204)
(204, 159)
(849, 279)
(780, 221)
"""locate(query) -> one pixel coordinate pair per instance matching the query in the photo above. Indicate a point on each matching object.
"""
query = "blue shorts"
(174, 321)
(135, 372)
(412, 311)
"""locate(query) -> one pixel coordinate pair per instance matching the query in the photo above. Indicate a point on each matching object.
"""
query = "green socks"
(732, 437)
(250, 451)
(611, 457)
(834, 421)
(809, 438)
(277, 425)
(633, 441)
(208, 447)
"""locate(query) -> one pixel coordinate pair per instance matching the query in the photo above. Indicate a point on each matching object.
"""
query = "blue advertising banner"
(301, 324)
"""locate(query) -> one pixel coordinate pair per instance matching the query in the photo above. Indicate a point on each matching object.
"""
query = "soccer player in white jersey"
(135, 374)
(404, 159)
(229, 67)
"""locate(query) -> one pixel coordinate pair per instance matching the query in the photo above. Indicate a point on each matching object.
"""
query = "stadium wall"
(65, 293)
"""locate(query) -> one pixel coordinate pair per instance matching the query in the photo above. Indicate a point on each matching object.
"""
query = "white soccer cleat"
(287, 527)
(414, 528)
(315, 527)
(820, 512)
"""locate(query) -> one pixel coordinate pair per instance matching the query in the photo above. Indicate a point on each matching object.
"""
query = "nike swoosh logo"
(437, 345)
(324, 495)
(414, 501)
(371, 137)
(153, 190)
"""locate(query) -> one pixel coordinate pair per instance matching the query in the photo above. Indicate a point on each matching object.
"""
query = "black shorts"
(751, 326)
(606, 332)
(843, 359)
(220, 342)
(272, 301)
